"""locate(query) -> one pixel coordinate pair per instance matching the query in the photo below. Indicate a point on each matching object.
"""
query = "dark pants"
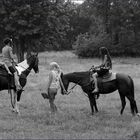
(12, 69)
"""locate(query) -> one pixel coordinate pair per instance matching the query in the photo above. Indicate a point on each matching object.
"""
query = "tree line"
(114, 24)
(39, 25)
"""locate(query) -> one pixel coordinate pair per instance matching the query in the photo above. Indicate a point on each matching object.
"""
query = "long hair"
(104, 51)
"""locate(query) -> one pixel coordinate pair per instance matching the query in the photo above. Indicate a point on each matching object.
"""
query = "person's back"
(6, 56)
(8, 60)
(55, 79)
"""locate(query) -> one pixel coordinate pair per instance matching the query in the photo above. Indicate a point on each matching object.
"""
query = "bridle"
(71, 89)
(28, 68)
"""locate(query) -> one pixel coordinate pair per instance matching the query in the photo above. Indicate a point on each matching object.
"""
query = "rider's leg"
(18, 87)
(7, 69)
(96, 84)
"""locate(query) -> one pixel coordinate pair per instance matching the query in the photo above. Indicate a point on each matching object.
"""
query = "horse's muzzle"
(37, 71)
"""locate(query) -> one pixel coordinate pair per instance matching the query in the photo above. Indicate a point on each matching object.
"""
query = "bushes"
(88, 46)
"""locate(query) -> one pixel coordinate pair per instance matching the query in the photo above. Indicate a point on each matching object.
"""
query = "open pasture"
(73, 119)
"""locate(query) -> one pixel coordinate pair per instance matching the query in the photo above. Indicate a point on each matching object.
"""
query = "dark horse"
(7, 82)
(123, 83)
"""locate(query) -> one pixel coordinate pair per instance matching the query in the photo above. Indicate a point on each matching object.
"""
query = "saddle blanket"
(108, 77)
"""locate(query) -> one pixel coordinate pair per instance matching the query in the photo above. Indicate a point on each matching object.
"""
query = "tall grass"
(73, 119)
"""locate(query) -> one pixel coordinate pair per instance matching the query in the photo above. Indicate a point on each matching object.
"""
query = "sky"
(78, 1)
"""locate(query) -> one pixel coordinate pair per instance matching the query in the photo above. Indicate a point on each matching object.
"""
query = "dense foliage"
(38, 25)
(34, 24)
(115, 24)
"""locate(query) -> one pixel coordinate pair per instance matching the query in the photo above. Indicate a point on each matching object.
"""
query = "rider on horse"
(103, 68)
(8, 59)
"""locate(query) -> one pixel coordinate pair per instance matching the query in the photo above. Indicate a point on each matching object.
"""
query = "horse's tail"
(133, 104)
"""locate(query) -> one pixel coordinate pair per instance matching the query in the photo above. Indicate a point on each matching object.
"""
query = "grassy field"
(73, 119)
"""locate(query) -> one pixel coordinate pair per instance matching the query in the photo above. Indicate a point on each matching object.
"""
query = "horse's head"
(33, 61)
(64, 83)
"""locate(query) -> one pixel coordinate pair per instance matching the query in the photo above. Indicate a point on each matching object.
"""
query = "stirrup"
(45, 95)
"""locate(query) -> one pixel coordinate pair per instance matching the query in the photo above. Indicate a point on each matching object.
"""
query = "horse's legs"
(19, 95)
(133, 105)
(123, 102)
(16, 108)
(11, 92)
(92, 103)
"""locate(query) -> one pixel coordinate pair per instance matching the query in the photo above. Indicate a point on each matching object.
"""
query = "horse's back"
(123, 78)
(107, 87)
(122, 82)
(125, 82)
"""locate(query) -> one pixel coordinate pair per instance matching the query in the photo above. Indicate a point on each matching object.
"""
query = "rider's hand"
(92, 67)
(14, 62)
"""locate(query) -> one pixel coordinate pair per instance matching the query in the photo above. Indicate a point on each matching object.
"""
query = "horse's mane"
(29, 59)
(81, 74)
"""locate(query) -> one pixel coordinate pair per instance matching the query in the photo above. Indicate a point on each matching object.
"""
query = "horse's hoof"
(16, 111)
(92, 114)
(138, 114)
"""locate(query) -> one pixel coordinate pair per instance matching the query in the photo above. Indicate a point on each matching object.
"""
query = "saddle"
(109, 76)
(104, 80)
(4, 73)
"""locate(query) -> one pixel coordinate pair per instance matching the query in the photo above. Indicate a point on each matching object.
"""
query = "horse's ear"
(61, 74)
(36, 54)
(31, 53)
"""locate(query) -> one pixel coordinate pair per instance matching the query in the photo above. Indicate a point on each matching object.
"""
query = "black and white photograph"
(69, 69)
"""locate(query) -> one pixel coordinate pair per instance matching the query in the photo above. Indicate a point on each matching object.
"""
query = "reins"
(68, 92)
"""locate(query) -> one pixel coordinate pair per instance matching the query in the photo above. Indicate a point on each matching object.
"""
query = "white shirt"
(55, 79)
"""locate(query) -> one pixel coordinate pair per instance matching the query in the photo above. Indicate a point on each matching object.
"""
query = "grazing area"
(73, 119)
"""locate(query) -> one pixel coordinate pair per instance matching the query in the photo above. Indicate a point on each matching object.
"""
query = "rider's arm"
(11, 53)
(49, 81)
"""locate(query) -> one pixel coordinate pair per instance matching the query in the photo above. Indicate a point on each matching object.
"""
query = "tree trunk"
(21, 50)
(107, 8)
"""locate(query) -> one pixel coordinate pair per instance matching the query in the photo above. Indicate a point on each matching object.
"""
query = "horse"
(23, 69)
(123, 83)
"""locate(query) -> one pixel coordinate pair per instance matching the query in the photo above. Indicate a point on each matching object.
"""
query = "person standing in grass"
(105, 66)
(9, 62)
(52, 85)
